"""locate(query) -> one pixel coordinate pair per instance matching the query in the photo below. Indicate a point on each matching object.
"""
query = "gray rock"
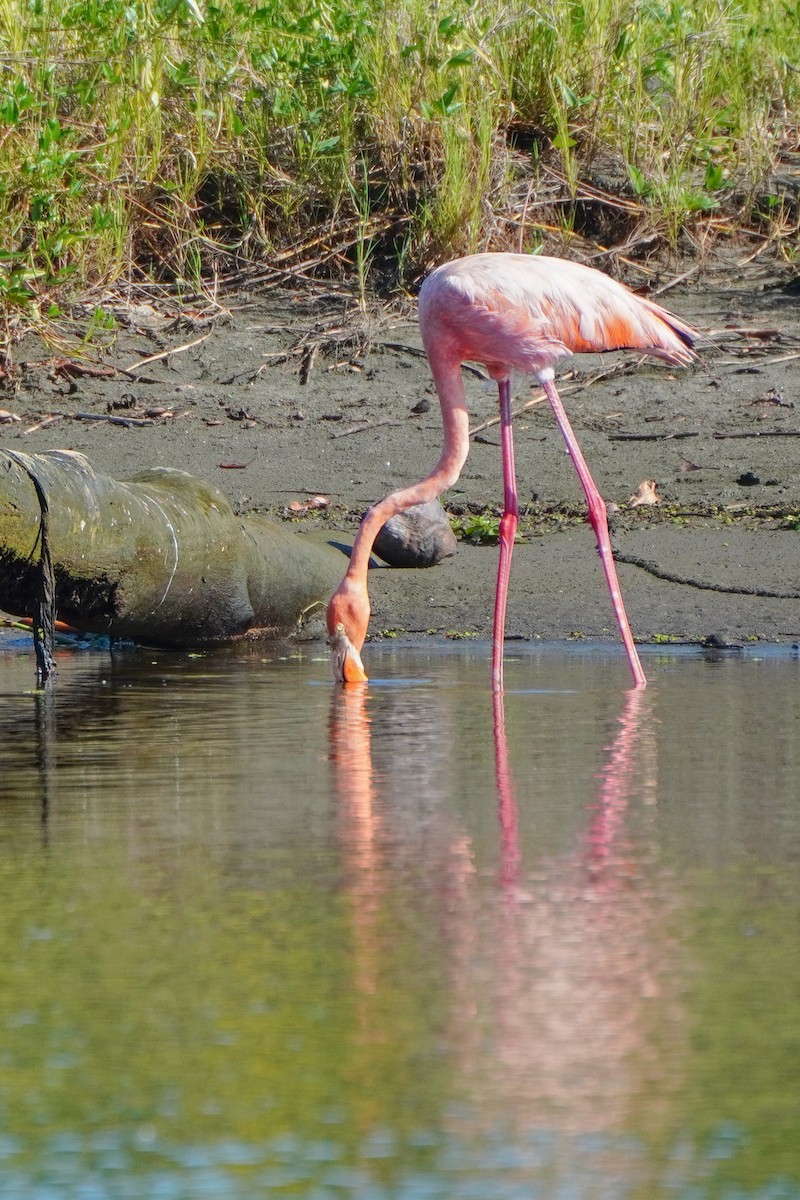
(418, 537)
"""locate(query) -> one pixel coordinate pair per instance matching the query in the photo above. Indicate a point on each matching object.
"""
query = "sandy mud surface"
(280, 399)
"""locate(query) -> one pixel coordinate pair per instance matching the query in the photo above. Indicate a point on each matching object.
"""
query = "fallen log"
(160, 558)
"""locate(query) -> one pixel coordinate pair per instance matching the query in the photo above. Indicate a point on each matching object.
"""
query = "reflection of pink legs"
(616, 780)
(572, 970)
(506, 800)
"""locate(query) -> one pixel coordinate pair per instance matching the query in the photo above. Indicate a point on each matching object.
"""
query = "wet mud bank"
(300, 409)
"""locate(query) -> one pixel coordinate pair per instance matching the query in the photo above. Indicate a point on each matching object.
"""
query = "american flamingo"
(511, 312)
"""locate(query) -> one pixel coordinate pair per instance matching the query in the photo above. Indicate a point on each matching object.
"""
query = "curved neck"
(455, 420)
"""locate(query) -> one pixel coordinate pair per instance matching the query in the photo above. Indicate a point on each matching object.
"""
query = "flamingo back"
(526, 312)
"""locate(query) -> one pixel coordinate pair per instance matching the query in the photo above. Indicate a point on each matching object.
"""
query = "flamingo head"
(348, 617)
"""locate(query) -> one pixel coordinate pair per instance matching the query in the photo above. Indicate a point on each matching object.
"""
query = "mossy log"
(160, 558)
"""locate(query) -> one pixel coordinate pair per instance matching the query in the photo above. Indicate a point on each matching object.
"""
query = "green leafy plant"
(481, 529)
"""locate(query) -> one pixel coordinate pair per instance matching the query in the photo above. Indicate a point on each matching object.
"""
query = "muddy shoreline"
(283, 398)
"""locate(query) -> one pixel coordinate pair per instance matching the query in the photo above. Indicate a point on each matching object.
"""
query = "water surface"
(264, 937)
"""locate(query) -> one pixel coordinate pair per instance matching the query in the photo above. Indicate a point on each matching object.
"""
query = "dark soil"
(287, 398)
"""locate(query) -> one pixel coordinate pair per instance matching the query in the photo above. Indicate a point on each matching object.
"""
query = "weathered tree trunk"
(160, 558)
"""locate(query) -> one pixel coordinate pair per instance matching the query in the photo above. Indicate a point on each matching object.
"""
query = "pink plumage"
(526, 312)
(511, 312)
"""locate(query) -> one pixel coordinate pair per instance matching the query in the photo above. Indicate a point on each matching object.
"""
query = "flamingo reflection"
(582, 966)
(560, 972)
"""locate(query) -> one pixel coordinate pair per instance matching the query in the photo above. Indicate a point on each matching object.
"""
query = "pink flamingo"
(511, 312)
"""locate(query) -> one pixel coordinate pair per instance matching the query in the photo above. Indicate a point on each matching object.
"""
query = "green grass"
(173, 139)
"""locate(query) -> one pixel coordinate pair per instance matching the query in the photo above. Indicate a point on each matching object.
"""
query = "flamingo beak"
(345, 659)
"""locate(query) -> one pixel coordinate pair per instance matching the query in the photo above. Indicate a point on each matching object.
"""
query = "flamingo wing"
(526, 312)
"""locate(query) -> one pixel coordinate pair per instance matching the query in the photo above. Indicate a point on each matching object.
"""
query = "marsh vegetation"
(180, 141)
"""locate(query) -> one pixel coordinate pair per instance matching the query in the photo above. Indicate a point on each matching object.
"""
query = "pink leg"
(508, 529)
(599, 520)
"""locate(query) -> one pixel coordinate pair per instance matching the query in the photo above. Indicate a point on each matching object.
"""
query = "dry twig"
(143, 362)
(364, 426)
(53, 419)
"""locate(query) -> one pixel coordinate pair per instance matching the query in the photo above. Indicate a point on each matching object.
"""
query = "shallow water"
(263, 937)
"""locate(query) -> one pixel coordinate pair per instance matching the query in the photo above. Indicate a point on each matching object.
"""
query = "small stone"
(418, 537)
(721, 641)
